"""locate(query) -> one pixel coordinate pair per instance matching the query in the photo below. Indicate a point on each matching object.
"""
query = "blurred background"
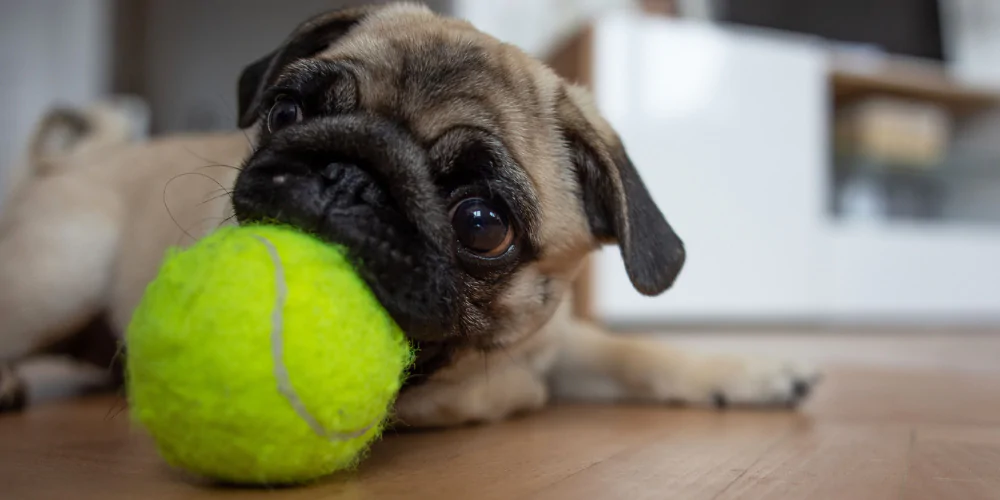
(830, 163)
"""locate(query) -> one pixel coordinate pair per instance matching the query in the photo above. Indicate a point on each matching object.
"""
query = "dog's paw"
(13, 393)
(762, 382)
(724, 381)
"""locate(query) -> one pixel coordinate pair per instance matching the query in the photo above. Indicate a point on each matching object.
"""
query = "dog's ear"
(250, 84)
(619, 207)
(309, 38)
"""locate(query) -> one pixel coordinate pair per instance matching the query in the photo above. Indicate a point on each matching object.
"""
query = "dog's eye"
(283, 113)
(481, 228)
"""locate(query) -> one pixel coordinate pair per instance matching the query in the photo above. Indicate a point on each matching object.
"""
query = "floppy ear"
(619, 208)
(308, 39)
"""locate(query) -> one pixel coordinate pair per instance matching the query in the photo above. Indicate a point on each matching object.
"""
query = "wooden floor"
(875, 430)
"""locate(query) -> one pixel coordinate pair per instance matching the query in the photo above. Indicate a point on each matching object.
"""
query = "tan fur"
(523, 114)
(119, 206)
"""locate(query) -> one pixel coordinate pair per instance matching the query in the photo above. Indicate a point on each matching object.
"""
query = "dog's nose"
(331, 173)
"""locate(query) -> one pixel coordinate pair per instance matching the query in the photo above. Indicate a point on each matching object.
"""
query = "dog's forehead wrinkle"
(308, 67)
(417, 70)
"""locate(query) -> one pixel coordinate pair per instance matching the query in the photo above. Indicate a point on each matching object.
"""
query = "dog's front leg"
(596, 365)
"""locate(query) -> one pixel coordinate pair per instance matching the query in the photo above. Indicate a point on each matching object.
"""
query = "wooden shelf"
(853, 78)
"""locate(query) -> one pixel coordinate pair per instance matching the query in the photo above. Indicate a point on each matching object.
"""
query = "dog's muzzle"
(363, 183)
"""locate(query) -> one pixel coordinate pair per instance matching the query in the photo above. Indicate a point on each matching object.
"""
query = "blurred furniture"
(731, 129)
(905, 27)
(971, 30)
(53, 52)
(186, 66)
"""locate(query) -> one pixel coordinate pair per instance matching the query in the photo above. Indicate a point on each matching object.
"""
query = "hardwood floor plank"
(829, 461)
(908, 396)
(496, 461)
(697, 458)
(511, 459)
(959, 462)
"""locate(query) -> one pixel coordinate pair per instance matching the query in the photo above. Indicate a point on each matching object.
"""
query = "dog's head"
(465, 178)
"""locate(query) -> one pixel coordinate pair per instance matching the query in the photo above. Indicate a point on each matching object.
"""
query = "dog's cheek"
(526, 303)
(527, 289)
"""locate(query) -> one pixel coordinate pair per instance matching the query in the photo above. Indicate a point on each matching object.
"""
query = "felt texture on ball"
(259, 356)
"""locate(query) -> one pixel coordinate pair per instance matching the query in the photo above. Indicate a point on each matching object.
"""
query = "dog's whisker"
(253, 147)
(220, 165)
(200, 174)
(167, 205)
(170, 213)
(216, 197)
(216, 192)
(200, 223)
(224, 221)
(209, 163)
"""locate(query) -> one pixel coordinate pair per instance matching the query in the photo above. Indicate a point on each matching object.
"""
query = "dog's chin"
(347, 206)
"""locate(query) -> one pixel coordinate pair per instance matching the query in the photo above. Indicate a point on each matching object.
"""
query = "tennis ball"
(258, 356)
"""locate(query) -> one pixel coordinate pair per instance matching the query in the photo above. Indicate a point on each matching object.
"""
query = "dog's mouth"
(359, 194)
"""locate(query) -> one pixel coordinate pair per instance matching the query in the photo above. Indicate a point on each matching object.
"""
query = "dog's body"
(467, 180)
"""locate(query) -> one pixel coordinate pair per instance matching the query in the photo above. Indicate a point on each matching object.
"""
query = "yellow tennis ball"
(258, 356)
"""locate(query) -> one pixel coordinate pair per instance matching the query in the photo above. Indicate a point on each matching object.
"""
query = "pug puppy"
(466, 179)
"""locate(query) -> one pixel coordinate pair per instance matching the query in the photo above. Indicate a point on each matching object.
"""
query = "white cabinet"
(912, 274)
(728, 133)
(730, 130)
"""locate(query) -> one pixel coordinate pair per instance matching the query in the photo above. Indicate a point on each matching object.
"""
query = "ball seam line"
(278, 354)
